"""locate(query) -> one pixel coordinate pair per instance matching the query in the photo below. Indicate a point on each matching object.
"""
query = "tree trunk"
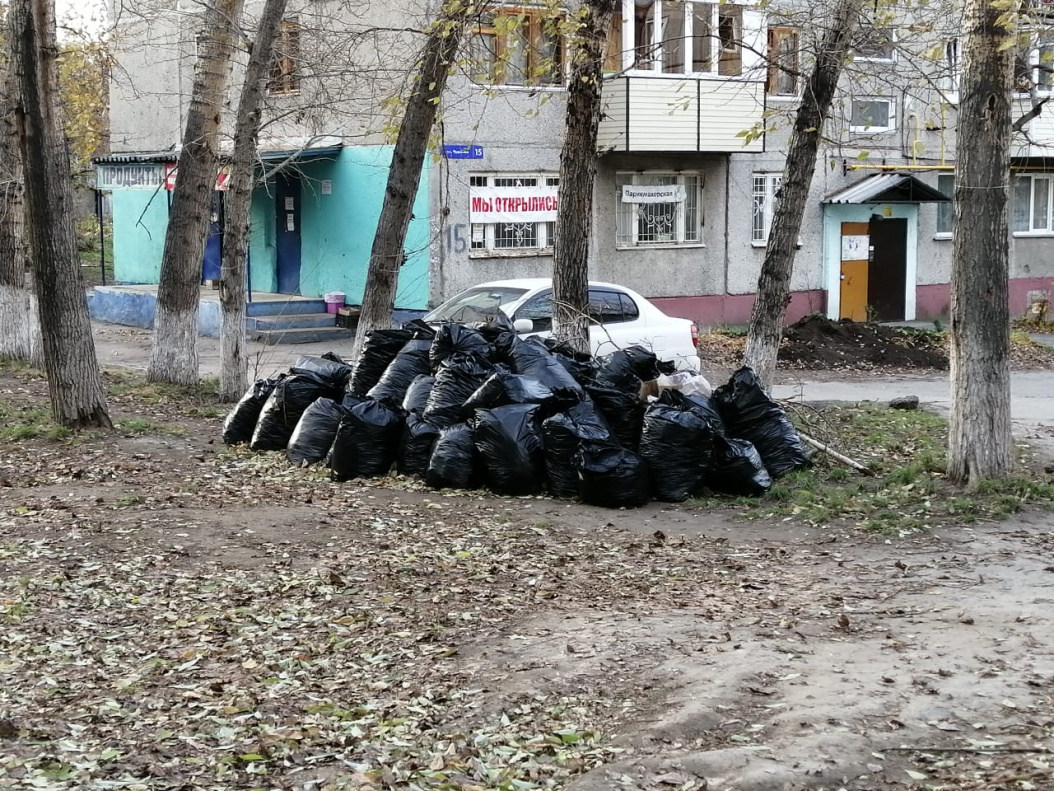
(15, 315)
(979, 436)
(174, 355)
(578, 170)
(234, 363)
(404, 175)
(766, 320)
(74, 384)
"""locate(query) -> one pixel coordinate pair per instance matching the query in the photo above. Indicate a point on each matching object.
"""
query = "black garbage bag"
(458, 378)
(737, 469)
(458, 339)
(562, 435)
(367, 441)
(751, 415)
(409, 363)
(531, 358)
(378, 351)
(622, 409)
(241, 421)
(335, 371)
(454, 463)
(678, 444)
(284, 407)
(504, 387)
(314, 433)
(349, 401)
(703, 406)
(611, 477)
(421, 329)
(416, 398)
(509, 441)
(619, 368)
(415, 451)
(582, 367)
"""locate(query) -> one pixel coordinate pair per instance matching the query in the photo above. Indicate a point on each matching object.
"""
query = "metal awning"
(299, 154)
(270, 156)
(887, 188)
(129, 158)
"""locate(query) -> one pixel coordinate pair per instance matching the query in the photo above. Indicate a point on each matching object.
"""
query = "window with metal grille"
(513, 235)
(640, 224)
(285, 77)
(766, 186)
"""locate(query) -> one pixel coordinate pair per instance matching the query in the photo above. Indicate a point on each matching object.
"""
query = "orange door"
(855, 252)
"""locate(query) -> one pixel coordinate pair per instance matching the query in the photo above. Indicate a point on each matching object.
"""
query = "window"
(766, 189)
(605, 307)
(285, 78)
(687, 37)
(1034, 65)
(1031, 204)
(784, 44)
(949, 82)
(518, 46)
(874, 44)
(946, 211)
(658, 209)
(534, 195)
(872, 116)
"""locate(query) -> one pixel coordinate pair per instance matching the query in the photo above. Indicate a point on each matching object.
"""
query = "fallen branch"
(1007, 750)
(835, 454)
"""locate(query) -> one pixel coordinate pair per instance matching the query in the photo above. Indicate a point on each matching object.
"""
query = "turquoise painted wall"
(140, 219)
(336, 230)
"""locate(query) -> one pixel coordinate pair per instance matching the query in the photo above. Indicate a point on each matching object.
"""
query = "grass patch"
(20, 423)
(907, 490)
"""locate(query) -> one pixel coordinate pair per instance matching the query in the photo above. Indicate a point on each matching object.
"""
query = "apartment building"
(698, 103)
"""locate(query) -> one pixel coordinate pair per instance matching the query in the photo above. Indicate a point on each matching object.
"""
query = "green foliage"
(84, 83)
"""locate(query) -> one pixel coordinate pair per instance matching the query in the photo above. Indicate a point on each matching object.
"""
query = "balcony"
(645, 113)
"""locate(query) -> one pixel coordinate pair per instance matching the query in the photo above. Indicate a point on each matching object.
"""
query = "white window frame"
(942, 234)
(1033, 177)
(874, 130)
(679, 216)
(629, 42)
(779, 32)
(544, 231)
(771, 185)
(892, 58)
(952, 73)
(1045, 41)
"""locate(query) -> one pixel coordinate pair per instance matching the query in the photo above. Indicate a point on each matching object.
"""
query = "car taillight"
(695, 336)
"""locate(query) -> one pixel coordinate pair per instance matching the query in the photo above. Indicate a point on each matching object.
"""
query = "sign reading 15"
(455, 238)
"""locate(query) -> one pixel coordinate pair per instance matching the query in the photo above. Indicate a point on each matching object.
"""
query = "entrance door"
(210, 263)
(887, 277)
(287, 202)
(854, 278)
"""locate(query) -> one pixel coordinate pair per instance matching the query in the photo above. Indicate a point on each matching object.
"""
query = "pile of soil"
(816, 342)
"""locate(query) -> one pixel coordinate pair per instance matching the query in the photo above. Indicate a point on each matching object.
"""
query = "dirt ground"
(176, 615)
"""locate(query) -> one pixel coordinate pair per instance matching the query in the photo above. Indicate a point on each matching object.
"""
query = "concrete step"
(285, 307)
(294, 321)
(302, 335)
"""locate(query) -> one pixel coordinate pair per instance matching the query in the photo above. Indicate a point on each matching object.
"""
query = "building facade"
(698, 104)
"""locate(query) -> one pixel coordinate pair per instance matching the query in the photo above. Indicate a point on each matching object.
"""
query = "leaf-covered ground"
(176, 615)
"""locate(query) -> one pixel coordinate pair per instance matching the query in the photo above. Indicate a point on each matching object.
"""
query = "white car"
(621, 317)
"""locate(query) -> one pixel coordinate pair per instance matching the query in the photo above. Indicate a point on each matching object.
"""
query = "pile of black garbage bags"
(467, 406)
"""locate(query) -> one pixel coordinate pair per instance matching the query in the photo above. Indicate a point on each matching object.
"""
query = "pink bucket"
(334, 302)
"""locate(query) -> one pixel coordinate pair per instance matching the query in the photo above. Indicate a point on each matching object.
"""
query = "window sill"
(661, 246)
(694, 75)
(513, 252)
(942, 237)
(871, 130)
(763, 245)
(1033, 234)
(782, 97)
(500, 86)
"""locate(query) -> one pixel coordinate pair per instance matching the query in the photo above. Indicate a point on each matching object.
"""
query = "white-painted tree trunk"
(15, 337)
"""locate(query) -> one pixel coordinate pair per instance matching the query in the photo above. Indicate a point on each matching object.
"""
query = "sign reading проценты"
(513, 204)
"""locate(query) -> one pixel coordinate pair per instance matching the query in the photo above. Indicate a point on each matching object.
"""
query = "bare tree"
(979, 436)
(578, 170)
(234, 361)
(174, 356)
(404, 175)
(766, 320)
(15, 313)
(74, 382)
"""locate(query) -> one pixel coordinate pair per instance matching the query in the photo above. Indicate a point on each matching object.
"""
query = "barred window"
(766, 186)
(513, 235)
(647, 222)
